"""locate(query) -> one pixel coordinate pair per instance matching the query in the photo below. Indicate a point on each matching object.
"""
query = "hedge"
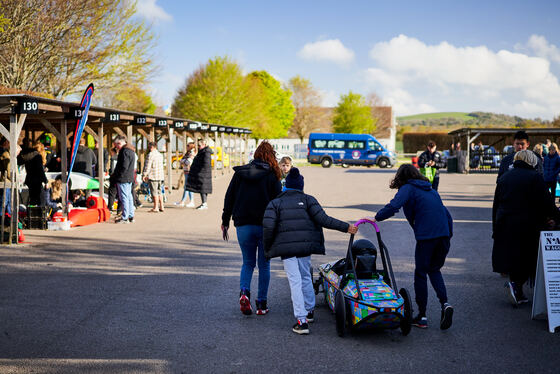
(417, 141)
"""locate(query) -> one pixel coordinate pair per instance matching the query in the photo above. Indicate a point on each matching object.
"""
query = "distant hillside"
(460, 119)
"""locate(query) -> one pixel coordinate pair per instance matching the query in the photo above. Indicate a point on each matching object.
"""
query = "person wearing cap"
(293, 230)
(431, 158)
(522, 208)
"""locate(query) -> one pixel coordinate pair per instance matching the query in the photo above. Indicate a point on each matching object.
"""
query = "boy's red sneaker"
(245, 302)
(262, 309)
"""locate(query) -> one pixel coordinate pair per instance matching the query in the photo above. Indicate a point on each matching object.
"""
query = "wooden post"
(169, 171)
(101, 161)
(64, 166)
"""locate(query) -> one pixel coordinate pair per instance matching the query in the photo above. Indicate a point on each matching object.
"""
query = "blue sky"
(418, 56)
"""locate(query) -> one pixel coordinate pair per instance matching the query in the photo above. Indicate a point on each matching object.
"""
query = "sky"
(417, 56)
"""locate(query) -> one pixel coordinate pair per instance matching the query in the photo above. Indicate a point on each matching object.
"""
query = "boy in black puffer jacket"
(292, 230)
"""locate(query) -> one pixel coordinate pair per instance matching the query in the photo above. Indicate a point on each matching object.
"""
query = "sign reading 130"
(28, 106)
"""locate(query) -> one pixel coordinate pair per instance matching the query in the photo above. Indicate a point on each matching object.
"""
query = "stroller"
(371, 301)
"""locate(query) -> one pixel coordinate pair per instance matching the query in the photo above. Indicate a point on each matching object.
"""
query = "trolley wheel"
(345, 166)
(406, 322)
(326, 162)
(340, 312)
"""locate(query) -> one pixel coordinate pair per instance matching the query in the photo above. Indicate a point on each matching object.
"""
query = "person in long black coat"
(34, 160)
(522, 208)
(200, 175)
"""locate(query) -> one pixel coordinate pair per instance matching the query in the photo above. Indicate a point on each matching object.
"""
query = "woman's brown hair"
(266, 153)
(40, 148)
(405, 173)
(56, 188)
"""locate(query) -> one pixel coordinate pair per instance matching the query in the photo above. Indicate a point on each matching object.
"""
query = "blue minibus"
(348, 149)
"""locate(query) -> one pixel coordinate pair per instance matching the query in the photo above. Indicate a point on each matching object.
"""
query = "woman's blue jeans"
(250, 238)
(186, 193)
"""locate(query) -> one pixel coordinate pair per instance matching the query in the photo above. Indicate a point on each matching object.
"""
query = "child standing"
(285, 165)
(433, 228)
(292, 230)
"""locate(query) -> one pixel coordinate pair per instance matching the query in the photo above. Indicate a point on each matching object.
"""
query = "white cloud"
(153, 12)
(414, 75)
(538, 45)
(329, 98)
(327, 50)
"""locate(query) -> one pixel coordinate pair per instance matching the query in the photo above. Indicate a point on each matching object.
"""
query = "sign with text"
(74, 112)
(28, 106)
(161, 123)
(546, 298)
(140, 120)
(193, 125)
(112, 117)
(178, 124)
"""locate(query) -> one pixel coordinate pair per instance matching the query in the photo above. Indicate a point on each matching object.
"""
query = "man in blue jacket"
(433, 228)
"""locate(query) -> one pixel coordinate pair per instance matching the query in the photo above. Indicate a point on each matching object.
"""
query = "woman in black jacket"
(522, 207)
(35, 177)
(251, 188)
(200, 174)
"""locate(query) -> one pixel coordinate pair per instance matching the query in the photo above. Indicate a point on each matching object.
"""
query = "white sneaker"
(180, 203)
(190, 205)
(203, 206)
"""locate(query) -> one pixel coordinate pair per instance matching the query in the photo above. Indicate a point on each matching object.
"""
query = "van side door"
(356, 152)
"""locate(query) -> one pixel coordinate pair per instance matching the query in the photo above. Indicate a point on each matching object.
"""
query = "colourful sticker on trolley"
(356, 154)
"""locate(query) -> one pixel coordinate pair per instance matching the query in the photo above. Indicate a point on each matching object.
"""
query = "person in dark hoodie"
(292, 229)
(251, 188)
(85, 159)
(433, 228)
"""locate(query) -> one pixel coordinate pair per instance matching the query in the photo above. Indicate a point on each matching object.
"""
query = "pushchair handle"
(365, 220)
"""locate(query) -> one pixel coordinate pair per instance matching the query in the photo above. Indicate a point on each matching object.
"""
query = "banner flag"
(80, 124)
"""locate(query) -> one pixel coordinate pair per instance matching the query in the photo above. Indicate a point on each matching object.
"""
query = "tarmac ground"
(161, 295)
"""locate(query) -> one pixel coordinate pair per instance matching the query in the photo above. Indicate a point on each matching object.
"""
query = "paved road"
(161, 296)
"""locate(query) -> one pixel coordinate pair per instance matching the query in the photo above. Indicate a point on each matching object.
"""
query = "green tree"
(58, 46)
(219, 93)
(278, 108)
(353, 115)
(307, 101)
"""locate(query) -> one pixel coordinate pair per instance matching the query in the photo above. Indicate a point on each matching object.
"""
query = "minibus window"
(356, 145)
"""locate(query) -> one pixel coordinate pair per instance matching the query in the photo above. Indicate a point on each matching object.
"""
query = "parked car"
(348, 149)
